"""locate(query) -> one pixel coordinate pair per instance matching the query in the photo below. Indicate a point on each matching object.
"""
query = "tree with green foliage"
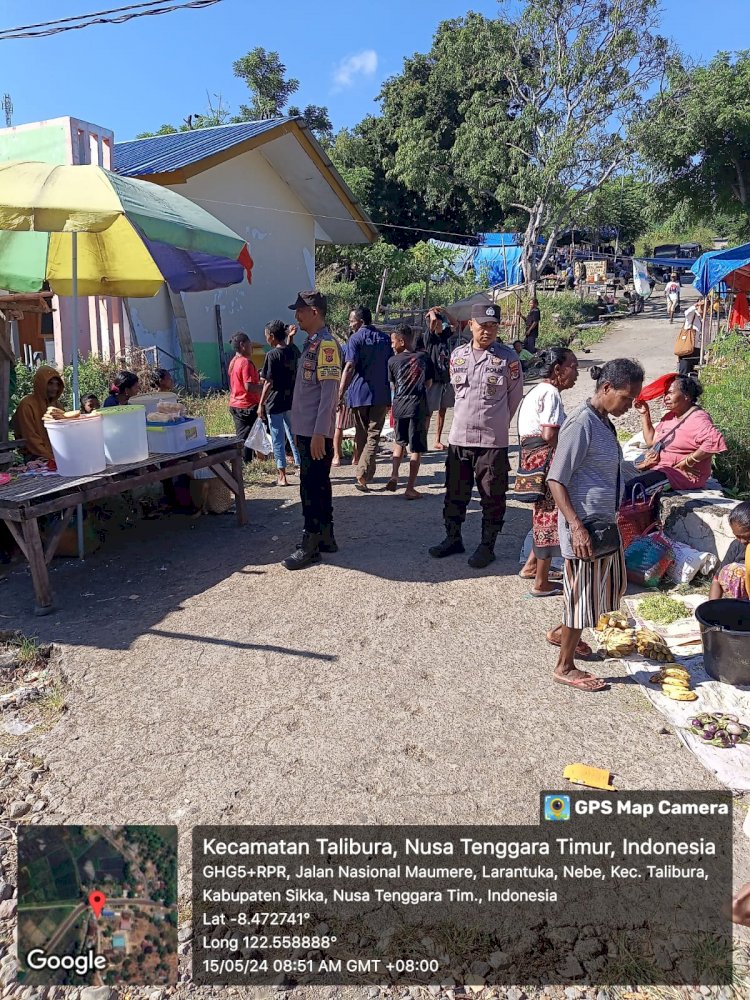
(544, 100)
(418, 138)
(265, 76)
(626, 203)
(696, 134)
(317, 118)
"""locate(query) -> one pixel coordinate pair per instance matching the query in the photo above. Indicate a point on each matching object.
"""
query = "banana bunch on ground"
(675, 683)
(651, 645)
(612, 619)
(617, 641)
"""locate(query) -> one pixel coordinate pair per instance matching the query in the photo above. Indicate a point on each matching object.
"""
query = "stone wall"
(699, 520)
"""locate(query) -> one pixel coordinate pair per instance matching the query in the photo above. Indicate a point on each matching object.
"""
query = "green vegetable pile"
(662, 609)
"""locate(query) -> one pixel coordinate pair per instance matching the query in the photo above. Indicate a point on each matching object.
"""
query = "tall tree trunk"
(530, 243)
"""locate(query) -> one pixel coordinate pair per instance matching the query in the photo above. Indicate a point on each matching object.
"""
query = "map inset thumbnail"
(136, 869)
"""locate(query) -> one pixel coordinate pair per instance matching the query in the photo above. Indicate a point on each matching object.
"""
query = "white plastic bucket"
(78, 445)
(125, 437)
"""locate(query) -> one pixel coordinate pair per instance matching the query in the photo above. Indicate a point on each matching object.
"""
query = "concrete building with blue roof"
(270, 181)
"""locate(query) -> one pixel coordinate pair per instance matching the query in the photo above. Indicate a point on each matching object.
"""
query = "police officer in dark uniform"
(488, 383)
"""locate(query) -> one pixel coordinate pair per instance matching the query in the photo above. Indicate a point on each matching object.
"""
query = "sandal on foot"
(391, 485)
(584, 682)
(557, 592)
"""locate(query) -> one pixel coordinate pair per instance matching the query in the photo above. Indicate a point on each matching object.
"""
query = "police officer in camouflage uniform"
(487, 380)
(313, 424)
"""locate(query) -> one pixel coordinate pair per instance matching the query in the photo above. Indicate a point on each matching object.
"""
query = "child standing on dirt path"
(410, 374)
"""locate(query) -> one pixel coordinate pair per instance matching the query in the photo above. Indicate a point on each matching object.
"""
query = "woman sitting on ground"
(124, 386)
(732, 578)
(681, 445)
(539, 421)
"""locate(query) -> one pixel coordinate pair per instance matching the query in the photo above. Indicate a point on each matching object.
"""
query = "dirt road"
(208, 684)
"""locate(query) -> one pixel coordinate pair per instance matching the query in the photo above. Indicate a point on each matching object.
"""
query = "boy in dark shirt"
(278, 376)
(410, 374)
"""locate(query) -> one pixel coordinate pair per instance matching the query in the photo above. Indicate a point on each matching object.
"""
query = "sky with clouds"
(136, 76)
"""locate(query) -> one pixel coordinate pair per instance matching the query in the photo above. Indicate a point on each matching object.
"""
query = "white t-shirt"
(542, 407)
(672, 288)
(692, 318)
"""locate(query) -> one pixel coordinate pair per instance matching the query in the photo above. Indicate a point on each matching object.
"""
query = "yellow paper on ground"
(592, 777)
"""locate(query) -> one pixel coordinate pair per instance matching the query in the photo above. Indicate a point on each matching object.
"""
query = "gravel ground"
(205, 684)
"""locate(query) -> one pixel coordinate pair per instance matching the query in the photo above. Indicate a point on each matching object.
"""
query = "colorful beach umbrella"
(88, 231)
(132, 235)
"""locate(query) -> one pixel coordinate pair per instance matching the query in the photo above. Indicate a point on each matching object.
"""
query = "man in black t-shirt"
(410, 374)
(278, 375)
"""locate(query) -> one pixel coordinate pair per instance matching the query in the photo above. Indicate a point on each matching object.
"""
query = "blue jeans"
(281, 427)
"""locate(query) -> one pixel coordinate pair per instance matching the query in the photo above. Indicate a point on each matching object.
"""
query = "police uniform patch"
(515, 369)
(491, 390)
(307, 376)
(309, 365)
(458, 362)
(495, 362)
(328, 354)
(492, 379)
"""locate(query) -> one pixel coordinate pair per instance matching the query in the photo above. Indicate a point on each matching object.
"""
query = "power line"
(334, 218)
(145, 9)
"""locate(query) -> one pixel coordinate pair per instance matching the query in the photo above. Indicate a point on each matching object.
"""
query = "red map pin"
(96, 902)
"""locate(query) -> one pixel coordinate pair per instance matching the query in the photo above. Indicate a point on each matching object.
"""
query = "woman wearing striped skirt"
(584, 479)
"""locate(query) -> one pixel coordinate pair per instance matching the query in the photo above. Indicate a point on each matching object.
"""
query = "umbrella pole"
(76, 392)
(74, 245)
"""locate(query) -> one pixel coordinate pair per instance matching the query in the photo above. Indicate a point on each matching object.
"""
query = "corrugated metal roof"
(162, 153)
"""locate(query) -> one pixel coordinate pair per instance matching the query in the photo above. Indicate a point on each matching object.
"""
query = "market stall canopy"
(132, 235)
(731, 266)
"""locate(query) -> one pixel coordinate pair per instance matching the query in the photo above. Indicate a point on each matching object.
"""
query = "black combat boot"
(484, 553)
(327, 539)
(306, 553)
(451, 545)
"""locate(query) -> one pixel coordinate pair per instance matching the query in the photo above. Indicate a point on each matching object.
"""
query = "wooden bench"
(27, 498)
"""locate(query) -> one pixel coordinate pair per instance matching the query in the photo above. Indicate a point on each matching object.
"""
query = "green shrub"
(726, 381)
(342, 297)
(561, 313)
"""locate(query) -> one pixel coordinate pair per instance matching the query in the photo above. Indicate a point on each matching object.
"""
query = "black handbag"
(604, 535)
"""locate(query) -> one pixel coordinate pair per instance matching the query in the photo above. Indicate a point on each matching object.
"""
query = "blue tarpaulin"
(498, 258)
(715, 266)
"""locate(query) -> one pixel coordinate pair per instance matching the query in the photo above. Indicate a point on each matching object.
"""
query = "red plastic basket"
(636, 514)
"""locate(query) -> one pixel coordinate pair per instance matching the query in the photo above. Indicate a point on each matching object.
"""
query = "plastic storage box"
(172, 439)
(124, 434)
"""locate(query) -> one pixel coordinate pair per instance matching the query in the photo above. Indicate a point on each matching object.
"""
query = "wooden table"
(27, 498)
